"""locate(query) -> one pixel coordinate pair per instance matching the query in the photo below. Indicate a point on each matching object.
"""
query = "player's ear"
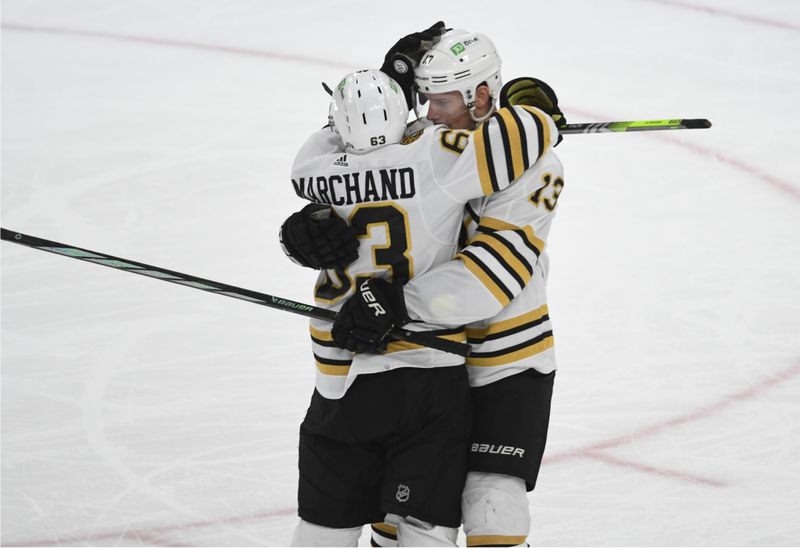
(483, 97)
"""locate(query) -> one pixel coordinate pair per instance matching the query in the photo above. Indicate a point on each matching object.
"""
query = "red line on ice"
(775, 182)
(768, 178)
(657, 470)
(180, 44)
(592, 449)
(725, 13)
(152, 534)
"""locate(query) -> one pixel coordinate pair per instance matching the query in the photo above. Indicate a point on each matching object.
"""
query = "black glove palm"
(366, 318)
(316, 238)
(405, 55)
(533, 92)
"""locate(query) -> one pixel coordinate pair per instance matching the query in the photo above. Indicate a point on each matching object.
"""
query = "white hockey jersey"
(498, 284)
(406, 202)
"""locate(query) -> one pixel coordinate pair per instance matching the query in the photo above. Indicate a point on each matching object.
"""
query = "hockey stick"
(415, 337)
(636, 125)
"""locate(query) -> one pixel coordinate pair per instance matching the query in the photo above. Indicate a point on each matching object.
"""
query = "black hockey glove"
(403, 57)
(532, 92)
(316, 238)
(365, 319)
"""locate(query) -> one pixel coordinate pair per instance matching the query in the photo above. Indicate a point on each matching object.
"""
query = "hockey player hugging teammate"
(387, 433)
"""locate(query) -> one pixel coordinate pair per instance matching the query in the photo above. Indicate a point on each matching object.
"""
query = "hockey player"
(498, 287)
(387, 433)
(512, 365)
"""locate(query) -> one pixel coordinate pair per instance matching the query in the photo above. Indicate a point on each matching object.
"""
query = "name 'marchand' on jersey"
(374, 185)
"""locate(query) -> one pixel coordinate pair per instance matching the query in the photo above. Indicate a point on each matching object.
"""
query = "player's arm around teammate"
(422, 394)
(506, 243)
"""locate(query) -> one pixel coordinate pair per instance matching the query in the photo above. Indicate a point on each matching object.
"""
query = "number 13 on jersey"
(547, 195)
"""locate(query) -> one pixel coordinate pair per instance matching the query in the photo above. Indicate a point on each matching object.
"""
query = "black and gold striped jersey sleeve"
(478, 163)
(510, 142)
(507, 233)
(502, 256)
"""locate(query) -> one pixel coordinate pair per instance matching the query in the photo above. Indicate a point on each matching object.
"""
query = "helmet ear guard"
(368, 110)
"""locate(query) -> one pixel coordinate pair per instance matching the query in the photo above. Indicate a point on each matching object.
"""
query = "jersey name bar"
(357, 187)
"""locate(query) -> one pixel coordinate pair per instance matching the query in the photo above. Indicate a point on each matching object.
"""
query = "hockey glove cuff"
(366, 318)
(401, 60)
(533, 92)
(315, 237)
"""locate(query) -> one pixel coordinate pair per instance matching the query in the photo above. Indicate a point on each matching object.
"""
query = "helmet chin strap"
(471, 107)
(481, 119)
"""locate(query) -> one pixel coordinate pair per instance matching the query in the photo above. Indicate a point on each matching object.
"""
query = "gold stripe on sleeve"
(511, 262)
(515, 144)
(530, 235)
(483, 164)
(517, 355)
(508, 324)
(545, 125)
(479, 273)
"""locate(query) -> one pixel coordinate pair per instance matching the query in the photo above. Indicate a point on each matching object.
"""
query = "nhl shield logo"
(403, 492)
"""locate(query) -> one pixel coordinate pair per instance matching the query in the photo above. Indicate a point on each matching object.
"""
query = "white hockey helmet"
(368, 110)
(460, 61)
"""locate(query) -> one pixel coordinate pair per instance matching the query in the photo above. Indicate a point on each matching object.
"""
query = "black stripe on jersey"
(499, 258)
(539, 132)
(330, 361)
(321, 342)
(530, 245)
(512, 331)
(472, 214)
(506, 144)
(521, 233)
(510, 349)
(513, 251)
(523, 139)
(487, 147)
(488, 271)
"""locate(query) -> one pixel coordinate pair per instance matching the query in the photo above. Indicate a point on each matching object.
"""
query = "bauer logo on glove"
(370, 299)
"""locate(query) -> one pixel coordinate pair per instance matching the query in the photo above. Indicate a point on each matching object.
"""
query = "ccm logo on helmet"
(497, 449)
(369, 298)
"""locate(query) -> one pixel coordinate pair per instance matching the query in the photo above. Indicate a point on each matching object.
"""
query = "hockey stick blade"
(635, 125)
(219, 288)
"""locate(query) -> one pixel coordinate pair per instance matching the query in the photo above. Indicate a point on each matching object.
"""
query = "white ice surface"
(136, 412)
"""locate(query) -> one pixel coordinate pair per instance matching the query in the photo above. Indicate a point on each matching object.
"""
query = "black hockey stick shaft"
(219, 288)
(635, 125)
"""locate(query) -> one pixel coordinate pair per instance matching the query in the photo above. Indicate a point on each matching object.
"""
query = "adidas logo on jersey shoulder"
(341, 161)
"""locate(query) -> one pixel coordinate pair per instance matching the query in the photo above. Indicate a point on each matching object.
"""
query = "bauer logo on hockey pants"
(497, 449)
(403, 492)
